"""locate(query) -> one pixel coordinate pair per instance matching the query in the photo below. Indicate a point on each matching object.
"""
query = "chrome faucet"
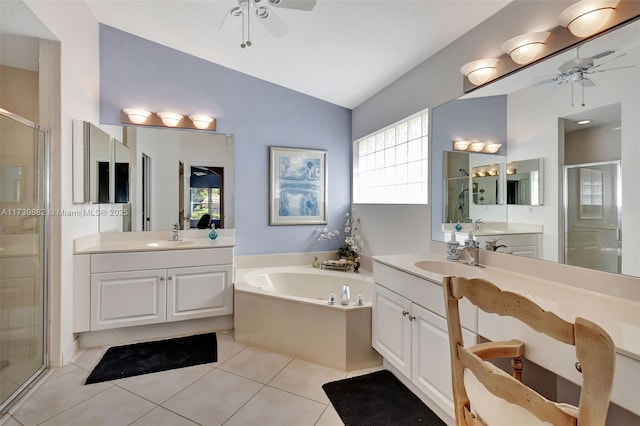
(175, 236)
(472, 248)
(492, 245)
(476, 225)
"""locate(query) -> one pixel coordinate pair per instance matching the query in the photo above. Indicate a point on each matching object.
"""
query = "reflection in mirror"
(524, 182)
(10, 183)
(120, 171)
(487, 185)
(160, 186)
(542, 108)
(91, 163)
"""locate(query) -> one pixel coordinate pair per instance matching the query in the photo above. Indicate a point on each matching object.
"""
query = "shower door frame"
(44, 192)
(565, 204)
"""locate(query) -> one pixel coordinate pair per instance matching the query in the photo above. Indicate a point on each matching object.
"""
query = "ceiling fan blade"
(294, 4)
(592, 71)
(610, 60)
(272, 22)
(232, 20)
(603, 54)
(569, 65)
(587, 82)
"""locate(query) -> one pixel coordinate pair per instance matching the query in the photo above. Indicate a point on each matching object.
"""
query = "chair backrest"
(595, 352)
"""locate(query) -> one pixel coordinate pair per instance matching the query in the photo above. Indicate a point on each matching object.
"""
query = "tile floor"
(247, 386)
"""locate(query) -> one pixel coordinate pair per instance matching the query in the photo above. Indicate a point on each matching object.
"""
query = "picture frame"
(298, 186)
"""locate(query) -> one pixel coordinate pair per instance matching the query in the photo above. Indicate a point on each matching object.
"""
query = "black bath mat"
(378, 399)
(150, 357)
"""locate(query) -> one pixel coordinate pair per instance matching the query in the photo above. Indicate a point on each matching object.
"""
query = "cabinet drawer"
(423, 292)
(135, 261)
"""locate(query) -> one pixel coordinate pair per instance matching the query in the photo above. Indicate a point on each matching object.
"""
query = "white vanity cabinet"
(410, 331)
(139, 288)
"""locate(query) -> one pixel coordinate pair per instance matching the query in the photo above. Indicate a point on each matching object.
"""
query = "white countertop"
(495, 228)
(619, 317)
(119, 242)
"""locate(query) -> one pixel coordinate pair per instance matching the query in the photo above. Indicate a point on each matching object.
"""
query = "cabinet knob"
(161, 278)
(405, 313)
(578, 366)
(170, 278)
(411, 317)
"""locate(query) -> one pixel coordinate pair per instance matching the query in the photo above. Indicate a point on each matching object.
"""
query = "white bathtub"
(286, 310)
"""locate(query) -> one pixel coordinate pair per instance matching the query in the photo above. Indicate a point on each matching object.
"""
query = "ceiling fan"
(239, 16)
(579, 69)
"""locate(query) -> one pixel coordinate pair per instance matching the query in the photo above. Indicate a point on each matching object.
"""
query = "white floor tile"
(113, 407)
(158, 387)
(227, 347)
(306, 379)
(54, 396)
(275, 407)
(214, 398)
(162, 417)
(330, 418)
(256, 364)
(89, 358)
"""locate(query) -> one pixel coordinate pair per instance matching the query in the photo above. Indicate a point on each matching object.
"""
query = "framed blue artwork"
(298, 182)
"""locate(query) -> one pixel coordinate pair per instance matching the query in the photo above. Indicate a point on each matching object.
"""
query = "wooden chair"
(485, 395)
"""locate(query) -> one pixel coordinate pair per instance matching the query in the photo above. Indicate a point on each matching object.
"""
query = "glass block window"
(391, 165)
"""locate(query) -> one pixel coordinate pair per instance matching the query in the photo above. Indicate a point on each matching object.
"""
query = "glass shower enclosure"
(23, 277)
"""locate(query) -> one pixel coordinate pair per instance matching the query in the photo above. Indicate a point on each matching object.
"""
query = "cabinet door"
(121, 299)
(391, 334)
(431, 359)
(199, 292)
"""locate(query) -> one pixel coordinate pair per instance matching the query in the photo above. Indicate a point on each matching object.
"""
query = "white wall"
(79, 99)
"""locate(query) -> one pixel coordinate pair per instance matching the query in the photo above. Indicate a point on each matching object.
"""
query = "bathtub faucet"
(345, 295)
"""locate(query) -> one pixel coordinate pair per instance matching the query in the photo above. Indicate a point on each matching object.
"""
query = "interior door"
(592, 226)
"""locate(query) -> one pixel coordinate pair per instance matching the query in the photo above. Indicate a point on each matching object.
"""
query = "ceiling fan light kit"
(240, 16)
(525, 48)
(587, 17)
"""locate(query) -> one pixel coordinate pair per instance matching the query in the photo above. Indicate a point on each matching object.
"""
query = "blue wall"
(135, 72)
(476, 118)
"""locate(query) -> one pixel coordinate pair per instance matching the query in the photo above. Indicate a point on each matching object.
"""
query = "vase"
(213, 234)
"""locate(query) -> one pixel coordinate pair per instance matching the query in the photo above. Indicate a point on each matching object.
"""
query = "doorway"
(146, 192)
(592, 226)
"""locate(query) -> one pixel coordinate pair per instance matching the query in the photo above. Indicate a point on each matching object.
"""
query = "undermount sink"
(447, 268)
(169, 243)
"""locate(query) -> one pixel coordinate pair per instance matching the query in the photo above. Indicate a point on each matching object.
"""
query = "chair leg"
(516, 367)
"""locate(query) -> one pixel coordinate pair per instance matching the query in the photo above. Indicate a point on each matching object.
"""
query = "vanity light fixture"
(167, 119)
(511, 170)
(476, 146)
(461, 145)
(136, 115)
(480, 71)
(587, 17)
(170, 119)
(201, 121)
(525, 48)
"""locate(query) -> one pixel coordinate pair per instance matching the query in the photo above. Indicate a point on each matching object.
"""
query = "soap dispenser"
(453, 248)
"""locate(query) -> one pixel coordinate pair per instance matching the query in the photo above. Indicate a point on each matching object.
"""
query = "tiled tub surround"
(619, 316)
(286, 310)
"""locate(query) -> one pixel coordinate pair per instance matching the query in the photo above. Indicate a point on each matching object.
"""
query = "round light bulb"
(170, 119)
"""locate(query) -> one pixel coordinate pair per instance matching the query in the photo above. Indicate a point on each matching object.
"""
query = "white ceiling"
(343, 51)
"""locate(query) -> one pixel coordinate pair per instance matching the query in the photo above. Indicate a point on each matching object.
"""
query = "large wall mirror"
(571, 149)
(175, 176)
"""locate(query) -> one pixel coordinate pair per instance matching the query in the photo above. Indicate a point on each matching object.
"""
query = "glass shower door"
(592, 228)
(22, 255)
